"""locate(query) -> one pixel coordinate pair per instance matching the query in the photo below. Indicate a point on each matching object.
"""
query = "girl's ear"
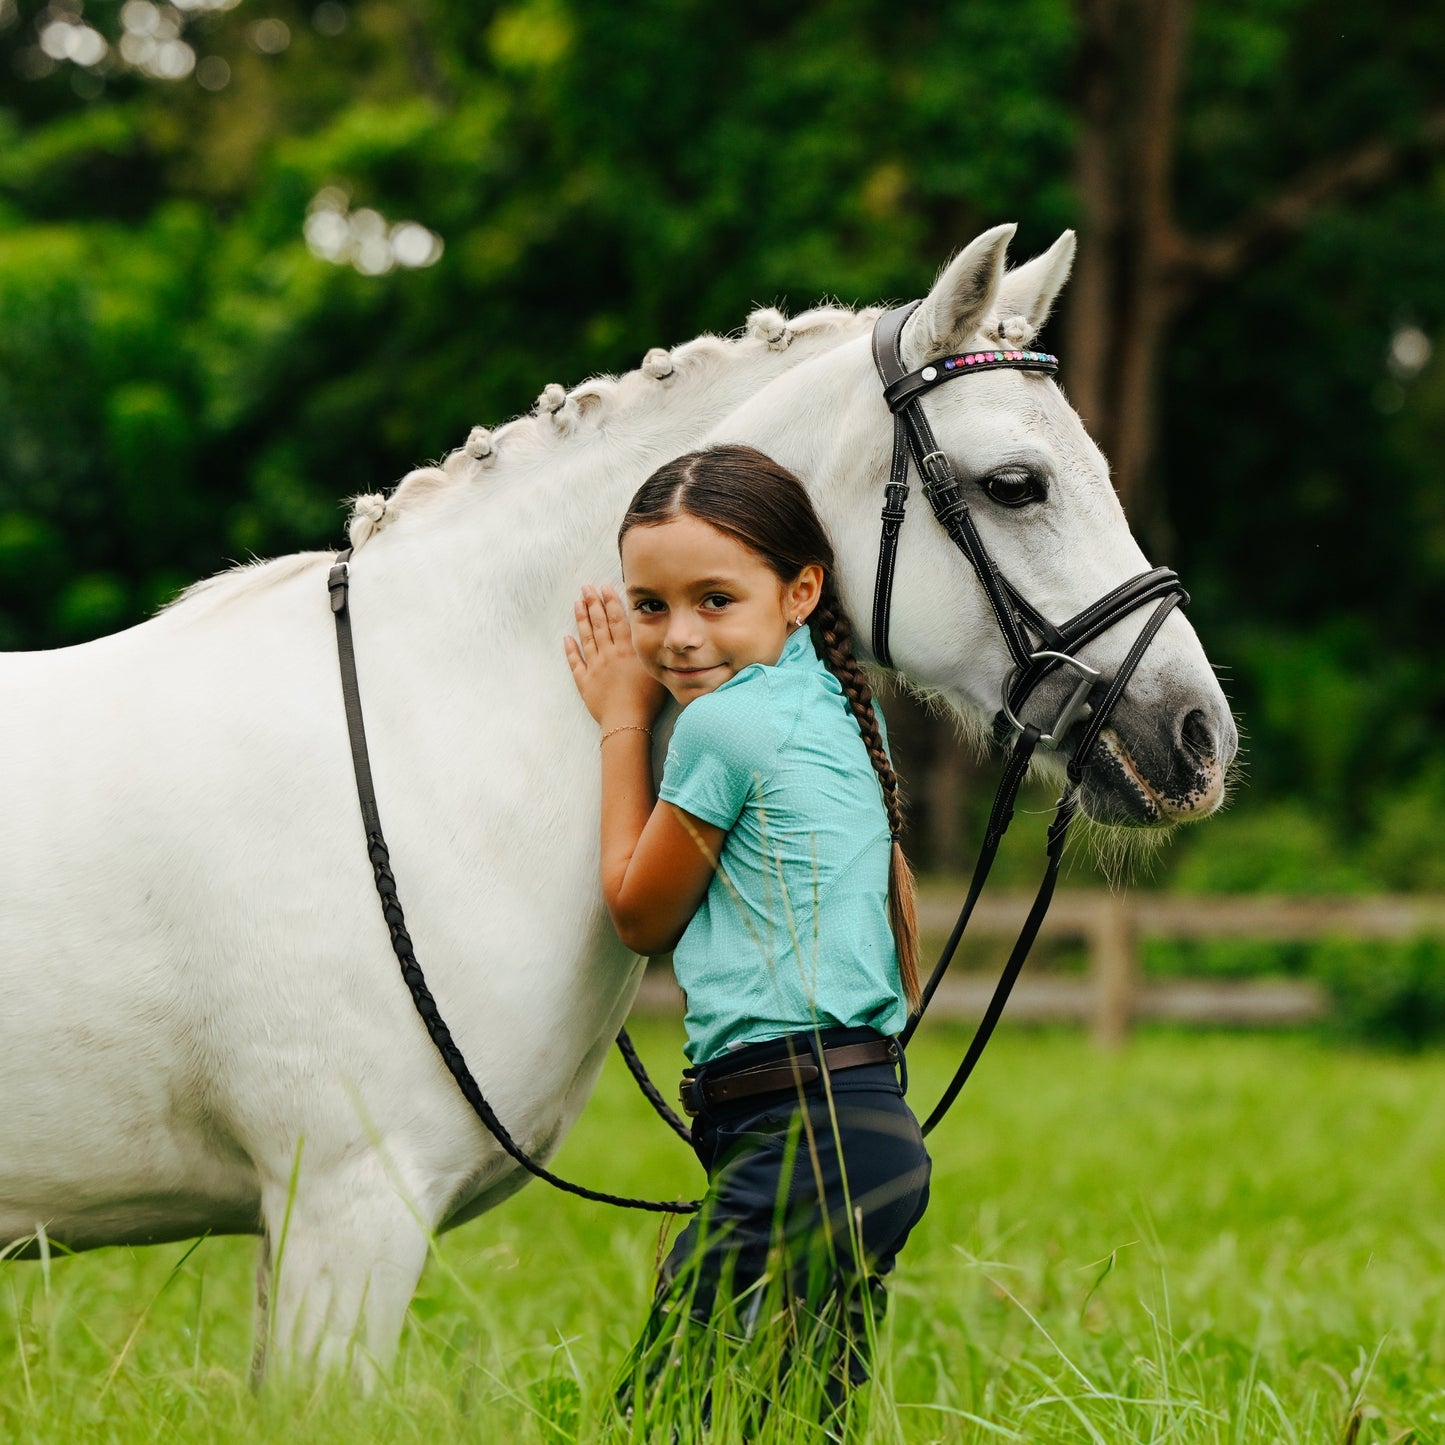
(804, 592)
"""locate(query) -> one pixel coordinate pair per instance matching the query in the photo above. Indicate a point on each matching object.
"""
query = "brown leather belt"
(788, 1074)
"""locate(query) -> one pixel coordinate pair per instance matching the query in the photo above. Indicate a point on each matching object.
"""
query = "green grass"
(1205, 1238)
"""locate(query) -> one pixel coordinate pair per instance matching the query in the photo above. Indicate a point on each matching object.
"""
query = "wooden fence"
(1112, 994)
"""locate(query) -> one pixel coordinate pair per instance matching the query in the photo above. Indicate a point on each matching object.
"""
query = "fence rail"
(1112, 994)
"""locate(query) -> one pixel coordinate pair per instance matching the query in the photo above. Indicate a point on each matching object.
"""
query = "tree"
(1141, 267)
(185, 379)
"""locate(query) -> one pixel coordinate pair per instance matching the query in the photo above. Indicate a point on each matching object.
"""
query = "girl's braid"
(835, 634)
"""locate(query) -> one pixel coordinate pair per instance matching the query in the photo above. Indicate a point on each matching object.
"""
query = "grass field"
(1205, 1238)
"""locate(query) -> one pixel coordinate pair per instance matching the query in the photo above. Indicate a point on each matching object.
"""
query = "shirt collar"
(798, 648)
(798, 655)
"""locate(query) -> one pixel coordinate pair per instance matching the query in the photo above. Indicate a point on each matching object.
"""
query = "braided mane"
(559, 419)
(559, 415)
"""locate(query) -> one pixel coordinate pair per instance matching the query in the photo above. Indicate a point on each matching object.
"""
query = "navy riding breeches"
(856, 1175)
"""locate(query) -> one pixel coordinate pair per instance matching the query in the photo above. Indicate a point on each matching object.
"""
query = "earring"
(797, 622)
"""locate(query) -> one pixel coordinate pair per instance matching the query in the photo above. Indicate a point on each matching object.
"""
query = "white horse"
(203, 1027)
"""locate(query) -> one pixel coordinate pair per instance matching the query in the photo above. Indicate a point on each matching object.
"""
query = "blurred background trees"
(257, 256)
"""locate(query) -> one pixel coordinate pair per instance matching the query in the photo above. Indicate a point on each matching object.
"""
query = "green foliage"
(1382, 991)
(1386, 992)
(1404, 849)
(91, 604)
(1285, 848)
(182, 382)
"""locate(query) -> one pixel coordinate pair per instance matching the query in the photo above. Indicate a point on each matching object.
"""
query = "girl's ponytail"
(835, 637)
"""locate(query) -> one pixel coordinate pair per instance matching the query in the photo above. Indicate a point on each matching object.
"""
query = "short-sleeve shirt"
(793, 932)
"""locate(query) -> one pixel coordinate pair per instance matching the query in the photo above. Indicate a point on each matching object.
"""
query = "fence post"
(1114, 969)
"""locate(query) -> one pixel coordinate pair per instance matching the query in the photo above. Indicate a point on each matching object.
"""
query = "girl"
(770, 866)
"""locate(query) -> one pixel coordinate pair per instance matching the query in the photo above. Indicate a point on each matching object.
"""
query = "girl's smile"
(702, 606)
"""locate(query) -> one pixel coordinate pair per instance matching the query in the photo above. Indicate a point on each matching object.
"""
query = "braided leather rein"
(338, 584)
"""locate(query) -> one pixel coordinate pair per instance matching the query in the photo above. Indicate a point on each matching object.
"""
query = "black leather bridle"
(1037, 647)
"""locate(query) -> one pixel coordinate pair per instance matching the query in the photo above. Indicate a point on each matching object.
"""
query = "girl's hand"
(613, 683)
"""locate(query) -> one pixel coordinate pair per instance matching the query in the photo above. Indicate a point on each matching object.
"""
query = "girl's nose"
(682, 634)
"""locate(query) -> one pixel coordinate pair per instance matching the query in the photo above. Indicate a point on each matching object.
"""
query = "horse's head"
(1039, 493)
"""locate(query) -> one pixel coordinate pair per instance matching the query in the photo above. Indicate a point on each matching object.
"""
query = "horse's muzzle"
(1138, 778)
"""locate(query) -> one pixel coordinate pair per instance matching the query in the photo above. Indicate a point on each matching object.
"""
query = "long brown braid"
(834, 634)
(756, 500)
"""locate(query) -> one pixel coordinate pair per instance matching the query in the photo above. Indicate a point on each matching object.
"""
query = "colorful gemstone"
(949, 365)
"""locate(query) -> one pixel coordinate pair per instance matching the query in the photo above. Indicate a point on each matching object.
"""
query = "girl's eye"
(1015, 487)
(648, 606)
(716, 600)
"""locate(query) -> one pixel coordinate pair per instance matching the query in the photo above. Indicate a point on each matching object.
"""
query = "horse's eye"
(1015, 487)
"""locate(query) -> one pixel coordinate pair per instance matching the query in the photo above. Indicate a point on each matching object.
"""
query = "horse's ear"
(948, 317)
(1031, 289)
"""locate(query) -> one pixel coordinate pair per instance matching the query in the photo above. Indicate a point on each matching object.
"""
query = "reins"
(1038, 649)
(338, 583)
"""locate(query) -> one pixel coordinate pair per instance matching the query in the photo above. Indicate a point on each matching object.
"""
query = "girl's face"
(703, 606)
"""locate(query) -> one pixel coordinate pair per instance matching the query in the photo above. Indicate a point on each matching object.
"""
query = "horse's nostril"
(1196, 736)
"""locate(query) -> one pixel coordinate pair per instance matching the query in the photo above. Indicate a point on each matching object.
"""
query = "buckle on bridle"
(336, 584)
(1077, 707)
(934, 477)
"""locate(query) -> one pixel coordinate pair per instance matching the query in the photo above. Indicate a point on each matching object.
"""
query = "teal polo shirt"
(793, 932)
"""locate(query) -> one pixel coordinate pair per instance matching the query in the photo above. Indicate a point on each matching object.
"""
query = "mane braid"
(605, 396)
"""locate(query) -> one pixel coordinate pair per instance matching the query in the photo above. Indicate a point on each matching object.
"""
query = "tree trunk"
(1123, 297)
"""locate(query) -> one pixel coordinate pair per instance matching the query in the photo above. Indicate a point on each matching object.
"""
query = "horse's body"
(203, 1025)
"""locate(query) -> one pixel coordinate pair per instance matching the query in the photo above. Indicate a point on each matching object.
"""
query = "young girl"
(770, 866)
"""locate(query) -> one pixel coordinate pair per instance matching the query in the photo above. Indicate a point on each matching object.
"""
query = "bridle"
(1049, 647)
(1037, 646)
